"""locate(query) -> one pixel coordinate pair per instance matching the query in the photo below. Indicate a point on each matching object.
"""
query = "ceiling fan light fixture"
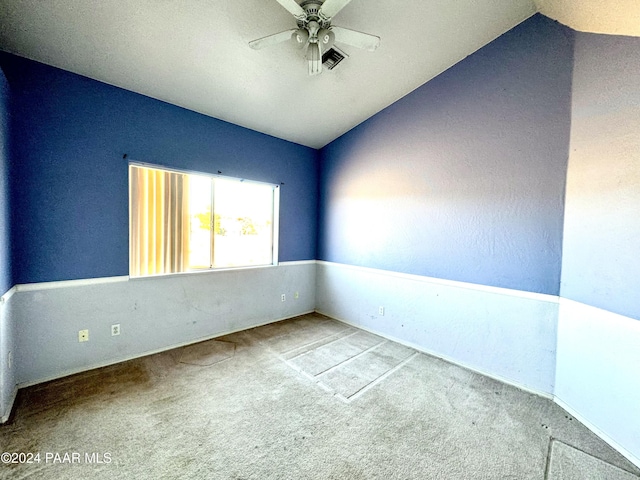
(326, 37)
(301, 37)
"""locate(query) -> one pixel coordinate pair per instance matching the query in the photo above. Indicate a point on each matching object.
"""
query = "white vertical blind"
(159, 221)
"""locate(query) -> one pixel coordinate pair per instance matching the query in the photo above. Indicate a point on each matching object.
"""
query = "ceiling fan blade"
(272, 39)
(293, 8)
(314, 55)
(356, 39)
(331, 7)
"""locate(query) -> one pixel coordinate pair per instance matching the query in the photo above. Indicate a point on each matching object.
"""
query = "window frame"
(275, 233)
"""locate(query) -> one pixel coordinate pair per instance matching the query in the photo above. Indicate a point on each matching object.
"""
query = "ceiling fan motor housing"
(313, 14)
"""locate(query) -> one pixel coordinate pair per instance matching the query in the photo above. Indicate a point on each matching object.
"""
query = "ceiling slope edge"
(611, 17)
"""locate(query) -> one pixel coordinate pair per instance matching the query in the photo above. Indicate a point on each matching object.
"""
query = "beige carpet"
(569, 463)
(307, 398)
(350, 364)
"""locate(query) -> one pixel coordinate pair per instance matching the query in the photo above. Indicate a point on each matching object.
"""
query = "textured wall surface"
(500, 333)
(153, 313)
(8, 364)
(601, 260)
(70, 207)
(5, 227)
(597, 373)
(7, 371)
(464, 178)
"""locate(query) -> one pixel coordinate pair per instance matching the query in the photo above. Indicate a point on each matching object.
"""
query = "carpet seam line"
(597, 458)
(315, 341)
(323, 345)
(350, 359)
(388, 373)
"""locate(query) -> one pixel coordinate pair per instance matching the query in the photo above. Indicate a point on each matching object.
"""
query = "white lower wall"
(154, 314)
(8, 387)
(506, 334)
(597, 373)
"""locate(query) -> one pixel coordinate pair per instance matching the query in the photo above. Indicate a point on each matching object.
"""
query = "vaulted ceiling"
(195, 53)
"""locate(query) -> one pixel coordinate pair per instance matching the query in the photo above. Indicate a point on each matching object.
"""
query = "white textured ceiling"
(194, 53)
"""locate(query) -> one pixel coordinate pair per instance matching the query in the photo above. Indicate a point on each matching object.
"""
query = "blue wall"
(464, 178)
(70, 195)
(601, 261)
(6, 281)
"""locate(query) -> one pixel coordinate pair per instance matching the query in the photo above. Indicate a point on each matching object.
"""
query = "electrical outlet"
(283, 297)
(296, 295)
(83, 336)
(381, 311)
(115, 329)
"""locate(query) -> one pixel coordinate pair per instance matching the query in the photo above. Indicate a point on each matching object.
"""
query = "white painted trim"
(615, 445)
(8, 294)
(83, 282)
(418, 278)
(567, 302)
(542, 297)
(297, 262)
(153, 352)
(275, 227)
(446, 358)
(30, 287)
(12, 401)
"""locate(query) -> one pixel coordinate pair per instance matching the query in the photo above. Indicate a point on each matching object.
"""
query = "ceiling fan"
(315, 32)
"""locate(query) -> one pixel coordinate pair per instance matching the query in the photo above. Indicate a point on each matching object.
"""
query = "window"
(180, 222)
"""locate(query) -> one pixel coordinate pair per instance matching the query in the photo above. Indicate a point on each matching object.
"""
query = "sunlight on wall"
(613, 17)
